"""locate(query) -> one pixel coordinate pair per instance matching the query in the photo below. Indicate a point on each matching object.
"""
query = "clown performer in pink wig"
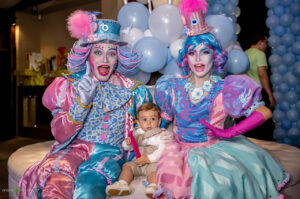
(93, 110)
(205, 160)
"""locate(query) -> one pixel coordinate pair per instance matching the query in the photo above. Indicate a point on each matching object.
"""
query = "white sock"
(123, 182)
(152, 185)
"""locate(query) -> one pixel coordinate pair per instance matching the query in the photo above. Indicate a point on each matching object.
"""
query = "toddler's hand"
(128, 141)
(142, 160)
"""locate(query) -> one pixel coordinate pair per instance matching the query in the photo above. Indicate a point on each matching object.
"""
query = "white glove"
(86, 87)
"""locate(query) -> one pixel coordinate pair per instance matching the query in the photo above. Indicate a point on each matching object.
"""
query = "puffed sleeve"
(59, 98)
(163, 94)
(241, 95)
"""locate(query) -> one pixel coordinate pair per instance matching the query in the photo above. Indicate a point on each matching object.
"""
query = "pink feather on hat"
(187, 7)
(79, 24)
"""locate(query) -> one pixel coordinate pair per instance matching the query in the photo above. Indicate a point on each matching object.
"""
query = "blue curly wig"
(219, 57)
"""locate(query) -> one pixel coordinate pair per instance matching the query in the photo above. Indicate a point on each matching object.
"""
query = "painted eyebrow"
(112, 48)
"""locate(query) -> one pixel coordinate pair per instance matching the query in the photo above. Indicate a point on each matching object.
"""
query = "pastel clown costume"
(93, 109)
(206, 160)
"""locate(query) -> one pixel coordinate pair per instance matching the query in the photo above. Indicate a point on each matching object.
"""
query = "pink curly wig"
(187, 7)
(79, 24)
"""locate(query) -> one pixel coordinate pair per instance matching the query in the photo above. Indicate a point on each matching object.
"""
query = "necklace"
(198, 93)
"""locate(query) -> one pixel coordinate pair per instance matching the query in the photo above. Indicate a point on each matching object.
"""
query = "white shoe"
(150, 190)
(118, 189)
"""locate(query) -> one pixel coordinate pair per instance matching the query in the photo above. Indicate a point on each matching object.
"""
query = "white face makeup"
(200, 60)
(103, 60)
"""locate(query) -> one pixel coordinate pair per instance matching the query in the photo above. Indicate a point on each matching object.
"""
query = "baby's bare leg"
(152, 178)
(126, 174)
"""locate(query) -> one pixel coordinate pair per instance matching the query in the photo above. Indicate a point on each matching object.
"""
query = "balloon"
(282, 69)
(274, 59)
(274, 41)
(283, 87)
(291, 96)
(285, 2)
(237, 12)
(288, 59)
(147, 33)
(154, 54)
(295, 8)
(292, 115)
(165, 23)
(278, 10)
(296, 28)
(278, 115)
(131, 35)
(272, 21)
(294, 133)
(286, 124)
(280, 50)
(287, 39)
(135, 14)
(223, 28)
(271, 3)
(141, 76)
(217, 8)
(238, 62)
(279, 30)
(276, 78)
(229, 8)
(296, 68)
(286, 19)
(279, 133)
(296, 47)
(175, 47)
(284, 106)
(278, 96)
(237, 28)
(172, 69)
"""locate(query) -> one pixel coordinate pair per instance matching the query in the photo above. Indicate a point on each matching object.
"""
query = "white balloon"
(175, 47)
(148, 33)
(131, 35)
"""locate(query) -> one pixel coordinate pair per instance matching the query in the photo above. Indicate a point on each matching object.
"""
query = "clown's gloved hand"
(252, 121)
(86, 87)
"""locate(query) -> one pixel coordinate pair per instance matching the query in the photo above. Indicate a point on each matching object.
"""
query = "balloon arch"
(158, 34)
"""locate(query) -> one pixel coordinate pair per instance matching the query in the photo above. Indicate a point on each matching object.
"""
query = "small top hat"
(192, 15)
(85, 26)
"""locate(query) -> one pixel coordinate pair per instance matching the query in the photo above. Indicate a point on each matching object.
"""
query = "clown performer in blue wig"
(93, 111)
(205, 160)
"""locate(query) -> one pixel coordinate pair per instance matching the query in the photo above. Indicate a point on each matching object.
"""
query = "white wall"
(50, 32)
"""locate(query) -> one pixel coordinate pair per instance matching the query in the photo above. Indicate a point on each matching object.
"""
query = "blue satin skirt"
(102, 168)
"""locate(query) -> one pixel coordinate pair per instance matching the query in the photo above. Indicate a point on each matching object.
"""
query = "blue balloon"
(270, 12)
(286, 19)
(290, 79)
(278, 96)
(283, 87)
(271, 3)
(278, 10)
(285, 2)
(217, 8)
(274, 60)
(274, 41)
(272, 21)
(141, 76)
(280, 50)
(278, 115)
(276, 78)
(292, 115)
(296, 47)
(288, 59)
(280, 133)
(154, 54)
(295, 8)
(287, 39)
(284, 106)
(287, 140)
(279, 30)
(223, 29)
(298, 105)
(296, 28)
(238, 62)
(286, 124)
(229, 8)
(294, 133)
(291, 96)
(172, 69)
(282, 69)
(296, 68)
(135, 14)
